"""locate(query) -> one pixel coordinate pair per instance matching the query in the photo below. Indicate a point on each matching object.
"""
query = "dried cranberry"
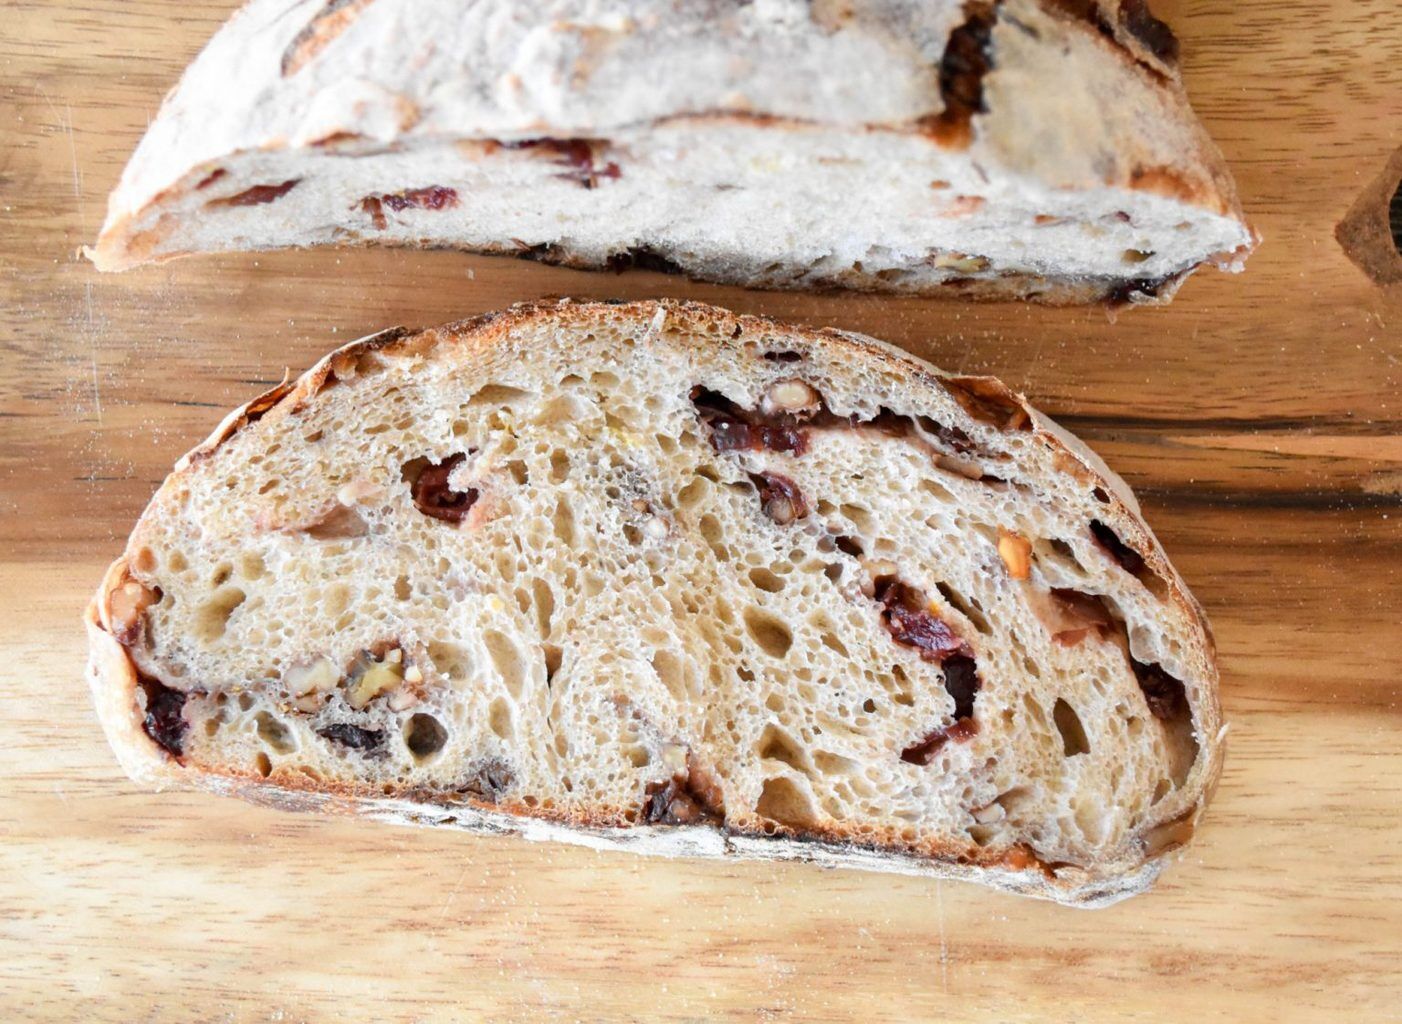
(353, 736)
(165, 716)
(967, 58)
(433, 497)
(780, 497)
(435, 197)
(257, 195)
(372, 206)
(905, 610)
(1165, 695)
(576, 154)
(736, 429)
(1156, 36)
(924, 751)
(1129, 559)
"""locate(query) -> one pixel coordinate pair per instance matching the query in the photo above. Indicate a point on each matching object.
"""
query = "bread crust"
(533, 72)
(114, 678)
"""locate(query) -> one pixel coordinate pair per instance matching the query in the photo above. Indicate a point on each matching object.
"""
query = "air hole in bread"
(777, 745)
(251, 566)
(402, 590)
(1036, 713)
(501, 719)
(769, 631)
(693, 492)
(506, 658)
(559, 466)
(781, 800)
(1124, 555)
(859, 516)
(496, 396)
(937, 491)
(425, 736)
(849, 545)
(274, 733)
(671, 673)
(1073, 733)
(213, 616)
(765, 580)
(553, 656)
(1057, 551)
(1091, 820)
(262, 765)
(988, 401)
(969, 608)
(563, 522)
(713, 534)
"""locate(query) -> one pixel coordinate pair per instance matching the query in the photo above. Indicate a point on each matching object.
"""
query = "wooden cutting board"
(1258, 417)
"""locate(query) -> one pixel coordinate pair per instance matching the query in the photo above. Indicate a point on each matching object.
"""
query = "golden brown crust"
(114, 679)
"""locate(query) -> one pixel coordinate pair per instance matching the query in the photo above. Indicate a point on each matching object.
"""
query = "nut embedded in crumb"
(317, 676)
(789, 396)
(378, 678)
(1016, 552)
(960, 262)
(125, 607)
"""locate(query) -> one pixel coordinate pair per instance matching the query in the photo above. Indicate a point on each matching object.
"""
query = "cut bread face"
(662, 577)
(989, 150)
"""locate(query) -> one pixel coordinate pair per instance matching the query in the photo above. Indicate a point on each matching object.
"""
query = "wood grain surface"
(1258, 418)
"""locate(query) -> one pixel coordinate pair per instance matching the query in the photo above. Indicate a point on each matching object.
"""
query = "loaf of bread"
(1033, 149)
(660, 577)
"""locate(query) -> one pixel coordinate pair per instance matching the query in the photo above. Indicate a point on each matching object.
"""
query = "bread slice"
(661, 577)
(1025, 149)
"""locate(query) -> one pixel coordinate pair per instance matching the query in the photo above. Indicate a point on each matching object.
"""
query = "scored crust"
(114, 676)
(751, 87)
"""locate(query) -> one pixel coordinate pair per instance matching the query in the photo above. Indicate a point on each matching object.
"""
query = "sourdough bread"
(1021, 148)
(661, 577)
